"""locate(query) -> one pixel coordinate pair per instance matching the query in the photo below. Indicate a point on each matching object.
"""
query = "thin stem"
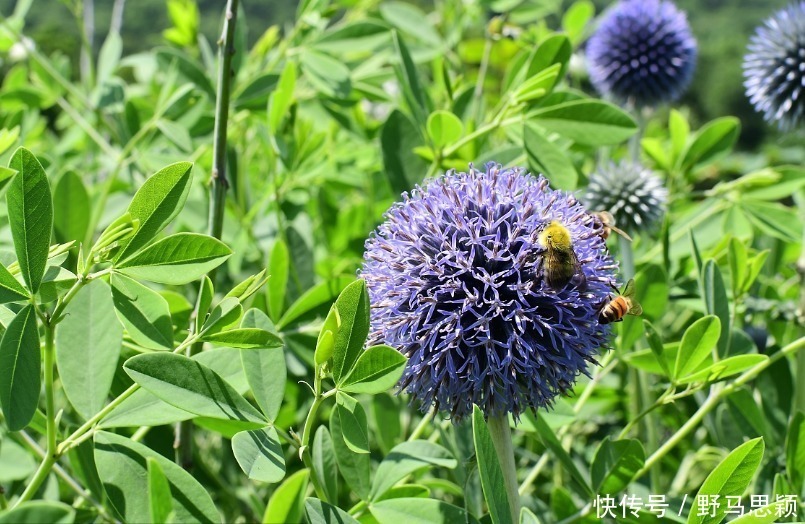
(799, 399)
(424, 423)
(39, 477)
(304, 450)
(502, 439)
(49, 400)
(717, 394)
(218, 187)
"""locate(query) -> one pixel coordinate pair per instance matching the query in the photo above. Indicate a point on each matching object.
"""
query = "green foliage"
(129, 323)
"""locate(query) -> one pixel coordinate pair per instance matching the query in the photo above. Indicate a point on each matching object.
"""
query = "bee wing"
(634, 308)
(621, 232)
(629, 290)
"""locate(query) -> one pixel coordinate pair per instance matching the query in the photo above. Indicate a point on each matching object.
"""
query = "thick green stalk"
(218, 188)
(502, 439)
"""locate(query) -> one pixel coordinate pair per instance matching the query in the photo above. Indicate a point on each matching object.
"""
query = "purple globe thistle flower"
(633, 194)
(455, 283)
(774, 68)
(643, 53)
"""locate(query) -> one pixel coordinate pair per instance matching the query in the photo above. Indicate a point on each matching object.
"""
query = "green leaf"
(354, 427)
(280, 100)
(712, 140)
(329, 76)
(160, 500)
(143, 408)
(203, 302)
(527, 517)
(377, 369)
(190, 386)
(556, 49)
(325, 342)
(287, 502)
(354, 467)
(697, 345)
(122, 466)
(548, 438)
(615, 464)
(655, 344)
(723, 368)
(418, 511)
(679, 130)
(729, 479)
(315, 297)
(716, 302)
(774, 219)
(176, 259)
(490, 470)
(20, 369)
(398, 138)
(411, 20)
(738, 257)
(155, 204)
(89, 338)
(353, 310)
(259, 454)
(30, 214)
(413, 93)
(407, 458)
(38, 511)
(265, 372)
(587, 122)
(325, 467)
(223, 316)
(10, 288)
(795, 451)
(177, 134)
(143, 312)
(444, 128)
(278, 268)
(72, 207)
(765, 515)
(546, 158)
(318, 512)
(245, 338)
(537, 85)
(576, 18)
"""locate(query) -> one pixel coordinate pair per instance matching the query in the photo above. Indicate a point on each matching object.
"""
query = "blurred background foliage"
(722, 28)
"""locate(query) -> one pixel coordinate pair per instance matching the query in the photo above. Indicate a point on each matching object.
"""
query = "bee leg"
(579, 281)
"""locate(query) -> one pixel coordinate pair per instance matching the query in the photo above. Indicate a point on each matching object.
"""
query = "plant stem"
(799, 399)
(218, 188)
(717, 393)
(304, 449)
(424, 423)
(502, 439)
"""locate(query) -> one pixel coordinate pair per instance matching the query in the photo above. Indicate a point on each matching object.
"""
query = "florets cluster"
(634, 195)
(774, 68)
(455, 284)
(642, 53)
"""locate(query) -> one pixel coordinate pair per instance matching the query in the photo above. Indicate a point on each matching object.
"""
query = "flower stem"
(502, 439)
(799, 399)
(424, 423)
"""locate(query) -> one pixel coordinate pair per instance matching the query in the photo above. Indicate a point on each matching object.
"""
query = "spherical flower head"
(774, 67)
(456, 283)
(642, 53)
(633, 194)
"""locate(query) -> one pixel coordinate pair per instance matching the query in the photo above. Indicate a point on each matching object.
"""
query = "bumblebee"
(621, 305)
(559, 264)
(608, 225)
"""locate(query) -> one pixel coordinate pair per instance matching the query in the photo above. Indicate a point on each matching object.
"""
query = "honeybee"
(560, 263)
(608, 223)
(623, 304)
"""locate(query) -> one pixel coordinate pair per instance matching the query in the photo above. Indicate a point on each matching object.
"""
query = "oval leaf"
(587, 122)
(177, 259)
(354, 427)
(406, 458)
(698, 342)
(615, 464)
(89, 338)
(123, 468)
(30, 214)
(259, 454)
(490, 470)
(20, 364)
(377, 369)
(189, 385)
(143, 312)
(155, 204)
(353, 310)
